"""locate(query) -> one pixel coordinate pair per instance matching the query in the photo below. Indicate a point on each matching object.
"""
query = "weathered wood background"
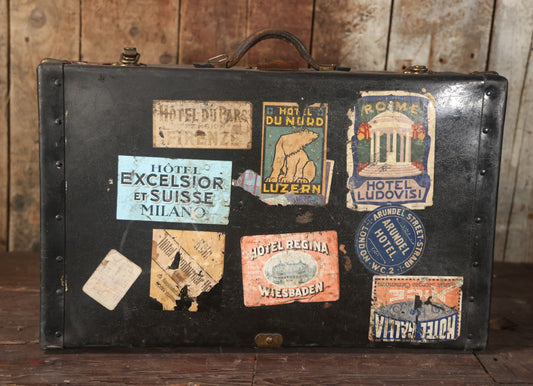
(456, 35)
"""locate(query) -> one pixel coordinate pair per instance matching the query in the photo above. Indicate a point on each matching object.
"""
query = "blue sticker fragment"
(390, 240)
(173, 190)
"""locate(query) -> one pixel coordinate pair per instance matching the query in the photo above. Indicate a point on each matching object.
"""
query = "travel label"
(390, 240)
(416, 309)
(202, 124)
(285, 268)
(391, 150)
(173, 190)
(112, 279)
(250, 181)
(185, 264)
(294, 149)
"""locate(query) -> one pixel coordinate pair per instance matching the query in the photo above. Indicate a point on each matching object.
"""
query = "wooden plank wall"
(4, 122)
(456, 35)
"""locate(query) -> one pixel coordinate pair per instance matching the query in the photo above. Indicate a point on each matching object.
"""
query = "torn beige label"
(112, 279)
(185, 264)
(202, 124)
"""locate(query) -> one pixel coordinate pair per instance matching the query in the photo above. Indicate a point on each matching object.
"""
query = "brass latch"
(129, 57)
(268, 340)
(416, 69)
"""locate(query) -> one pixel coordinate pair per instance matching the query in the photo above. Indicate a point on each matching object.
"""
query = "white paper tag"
(112, 279)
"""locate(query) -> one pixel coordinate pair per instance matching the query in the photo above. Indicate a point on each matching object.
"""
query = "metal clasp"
(219, 61)
(268, 340)
(129, 57)
(416, 69)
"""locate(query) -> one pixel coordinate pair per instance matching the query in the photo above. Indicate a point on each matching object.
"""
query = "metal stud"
(59, 217)
(59, 258)
(477, 220)
(483, 172)
(485, 130)
(58, 334)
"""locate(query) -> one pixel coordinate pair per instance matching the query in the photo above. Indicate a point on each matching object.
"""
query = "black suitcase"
(208, 206)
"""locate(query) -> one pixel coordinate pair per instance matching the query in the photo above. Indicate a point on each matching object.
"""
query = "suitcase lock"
(268, 340)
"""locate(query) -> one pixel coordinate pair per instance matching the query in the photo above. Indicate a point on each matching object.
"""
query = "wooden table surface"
(508, 358)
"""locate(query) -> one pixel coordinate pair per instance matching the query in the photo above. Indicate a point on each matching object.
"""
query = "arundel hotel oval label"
(285, 268)
(390, 240)
(390, 151)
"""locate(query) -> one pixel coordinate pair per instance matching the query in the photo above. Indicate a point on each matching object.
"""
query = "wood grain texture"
(209, 28)
(38, 29)
(445, 36)
(19, 289)
(509, 356)
(510, 52)
(361, 368)
(519, 243)
(4, 121)
(352, 33)
(107, 26)
(27, 364)
(294, 16)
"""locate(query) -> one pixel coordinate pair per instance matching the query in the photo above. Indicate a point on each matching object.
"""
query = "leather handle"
(226, 61)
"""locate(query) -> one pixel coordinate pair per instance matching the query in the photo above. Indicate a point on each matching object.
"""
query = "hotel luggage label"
(173, 190)
(415, 309)
(185, 264)
(293, 158)
(112, 279)
(390, 151)
(189, 124)
(390, 240)
(285, 268)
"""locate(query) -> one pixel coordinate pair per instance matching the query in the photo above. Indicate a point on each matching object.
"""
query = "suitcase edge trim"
(52, 184)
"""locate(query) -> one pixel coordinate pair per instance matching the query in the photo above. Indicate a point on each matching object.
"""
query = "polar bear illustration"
(291, 162)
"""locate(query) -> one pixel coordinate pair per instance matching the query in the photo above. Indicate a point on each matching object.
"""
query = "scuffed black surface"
(109, 113)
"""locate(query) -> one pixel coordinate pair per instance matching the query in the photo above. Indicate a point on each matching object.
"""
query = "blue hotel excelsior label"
(390, 240)
(173, 190)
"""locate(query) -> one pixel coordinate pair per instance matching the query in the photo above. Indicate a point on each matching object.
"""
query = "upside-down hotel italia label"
(173, 190)
(416, 309)
(390, 150)
(285, 268)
